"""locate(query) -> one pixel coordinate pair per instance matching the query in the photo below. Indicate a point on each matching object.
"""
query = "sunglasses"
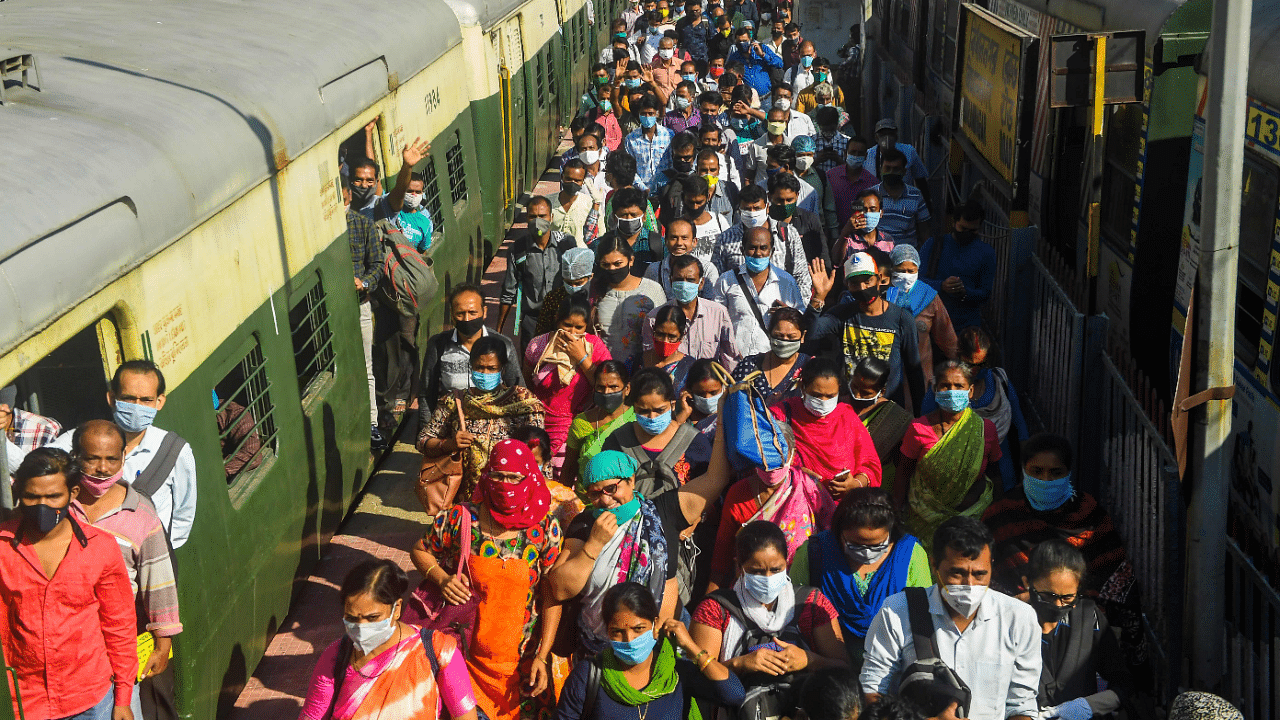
(1052, 598)
(594, 495)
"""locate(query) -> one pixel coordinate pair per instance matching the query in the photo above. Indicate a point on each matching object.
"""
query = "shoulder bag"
(441, 474)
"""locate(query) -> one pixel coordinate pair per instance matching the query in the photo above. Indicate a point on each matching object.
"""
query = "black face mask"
(893, 180)
(360, 196)
(43, 518)
(570, 187)
(608, 401)
(965, 237)
(682, 166)
(866, 295)
(1048, 612)
(694, 211)
(467, 328)
(629, 226)
(616, 275)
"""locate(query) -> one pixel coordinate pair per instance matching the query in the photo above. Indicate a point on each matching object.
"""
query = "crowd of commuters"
(720, 224)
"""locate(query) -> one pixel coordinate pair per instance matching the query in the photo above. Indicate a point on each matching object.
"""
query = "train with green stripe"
(172, 193)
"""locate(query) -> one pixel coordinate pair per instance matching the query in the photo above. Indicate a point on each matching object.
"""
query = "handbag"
(428, 603)
(441, 475)
(753, 436)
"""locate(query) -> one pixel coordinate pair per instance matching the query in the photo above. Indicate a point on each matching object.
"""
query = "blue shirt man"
(756, 61)
(650, 145)
(964, 271)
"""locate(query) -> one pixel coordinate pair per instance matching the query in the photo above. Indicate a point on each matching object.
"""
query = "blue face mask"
(632, 82)
(952, 400)
(684, 291)
(873, 220)
(654, 425)
(756, 264)
(765, 588)
(648, 121)
(623, 512)
(486, 381)
(132, 417)
(806, 61)
(691, 77)
(1045, 496)
(635, 651)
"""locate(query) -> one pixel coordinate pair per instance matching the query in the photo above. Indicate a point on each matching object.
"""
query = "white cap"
(860, 264)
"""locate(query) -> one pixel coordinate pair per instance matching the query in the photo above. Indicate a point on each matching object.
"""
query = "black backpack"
(768, 696)
(656, 475)
(928, 666)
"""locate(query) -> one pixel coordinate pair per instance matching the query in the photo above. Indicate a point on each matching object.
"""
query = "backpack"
(656, 475)
(767, 696)
(928, 666)
(408, 279)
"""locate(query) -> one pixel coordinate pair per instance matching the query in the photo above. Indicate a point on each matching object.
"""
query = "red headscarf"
(521, 505)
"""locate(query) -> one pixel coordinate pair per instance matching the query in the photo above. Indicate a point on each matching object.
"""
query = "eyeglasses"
(609, 490)
(1051, 598)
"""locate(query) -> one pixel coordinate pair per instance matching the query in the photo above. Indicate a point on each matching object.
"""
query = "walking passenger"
(961, 267)
(886, 421)
(23, 431)
(755, 60)
(780, 365)
(932, 319)
(668, 454)
(682, 243)
(383, 663)
(669, 332)
(863, 229)
(576, 267)
(533, 268)
(906, 214)
(622, 300)
(446, 365)
(786, 248)
(850, 178)
(700, 400)
(608, 412)
(630, 225)
(710, 333)
(575, 203)
(650, 145)
(561, 367)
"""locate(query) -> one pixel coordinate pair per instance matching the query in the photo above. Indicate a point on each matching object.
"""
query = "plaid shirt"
(899, 216)
(788, 257)
(30, 431)
(837, 143)
(365, 253)
(652, 156)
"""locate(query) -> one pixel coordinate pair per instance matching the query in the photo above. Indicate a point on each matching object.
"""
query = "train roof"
(485, 13)
(150, 117)
(1113, 15)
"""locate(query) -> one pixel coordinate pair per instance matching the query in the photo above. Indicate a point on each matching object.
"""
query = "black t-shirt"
(669, 514)
(698, 454)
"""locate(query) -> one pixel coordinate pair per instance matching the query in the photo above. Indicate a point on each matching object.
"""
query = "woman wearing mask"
(886, 421)
(678, 450)
(669, 328)
(512, 541)
(640, 675)
(864, 558)
(1047, 506)
(787, 497)
(945, 456)
(796, 624)
(779, 369)
(932, 319)
(491, 410)
(1078, 645)
(561, 368)
(608, 412)
(383, 663)
(832, 444)
(701, 397)
(622, 299)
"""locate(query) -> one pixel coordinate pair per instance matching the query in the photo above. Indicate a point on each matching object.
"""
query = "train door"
(1067, 181)
(515, 85)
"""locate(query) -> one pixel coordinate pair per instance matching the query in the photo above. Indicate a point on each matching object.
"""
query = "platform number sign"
(1262, 128)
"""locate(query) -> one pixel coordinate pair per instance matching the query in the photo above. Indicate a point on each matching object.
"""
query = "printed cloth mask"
(98, 486)
(821, 407)
(654, 425)
(608, 401)
(132, 417)
(756, 264)
(486, 381)
(634, 651)
(765, 588)
(684, 291)
(952, 400)
(1045, 496)
(781, 211)
(519, 505)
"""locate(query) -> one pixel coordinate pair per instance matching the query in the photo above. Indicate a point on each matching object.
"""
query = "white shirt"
(780, 287)
(798, 78)
(808, 198)
(175, 501)
(800, 124)
(728, 170)
(998, 655)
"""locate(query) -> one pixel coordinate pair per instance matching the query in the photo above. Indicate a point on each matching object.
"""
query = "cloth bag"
(753, 436)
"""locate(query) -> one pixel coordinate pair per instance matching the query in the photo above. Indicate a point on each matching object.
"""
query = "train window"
(313, 356)
(1257, 220)
(947, 25)
(431, 190)
(363, 143)
(245, 415)
(551, 69)
(539, 86)
(457, 169)
(69, 385)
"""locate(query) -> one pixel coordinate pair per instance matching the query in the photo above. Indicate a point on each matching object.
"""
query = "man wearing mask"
(786, 246)
(158, 463)
(572, 210)
(23, 431)
(365, 197)
(594, 155)
(695, 207)
(684, 114)
(70, 629)
(849, 178)
(781, 160)
(991, 640)
(710, 331)
(808, 100)
(446, 364)
(694, 32)
(628, 224)
(633, 13)
(742, 10)
(791, 46)
(756, 61)
(108, 503)
(751, 289)
(963, 269)
(366, 263)
(801, 75)
(866, 326)
(756, 152)
(650, 145)
(797, 122)
(784, 188)
(681, 240)
(620, 47)
(666, 66)
(414, 219)
(723, 200)
(906, 213)
(863, 232)
(886, 136)
(719, 43)
(806, 151)
(533, 268)
(669, 185)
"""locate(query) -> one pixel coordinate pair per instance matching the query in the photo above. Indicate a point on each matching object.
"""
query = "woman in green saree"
(592, 426)
(945, 457)
(886, 420)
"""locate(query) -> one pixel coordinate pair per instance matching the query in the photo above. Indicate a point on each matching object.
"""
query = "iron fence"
(1252, 637)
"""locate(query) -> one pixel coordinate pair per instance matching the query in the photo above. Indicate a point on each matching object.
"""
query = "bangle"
(584, 552)
(703, 666)
(427, 574)
(579, 363)
(700, 654)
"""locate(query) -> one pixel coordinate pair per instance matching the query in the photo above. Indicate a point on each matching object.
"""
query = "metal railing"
(1054, 353)
(1252, 637)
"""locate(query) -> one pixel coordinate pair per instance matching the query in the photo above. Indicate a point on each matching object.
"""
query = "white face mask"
(782, 103)
(706, 405)
(589, 157)
(754, 218)
(370, 635)
(821, 407)
(964, 599)
(666, 53)
(412, 201)
(905, 281)
(803, 163)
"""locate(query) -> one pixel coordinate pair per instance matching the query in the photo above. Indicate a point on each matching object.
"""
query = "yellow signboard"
(992, 95)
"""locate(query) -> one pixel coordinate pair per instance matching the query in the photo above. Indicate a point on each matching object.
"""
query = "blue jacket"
(974, 263)
(756, 68)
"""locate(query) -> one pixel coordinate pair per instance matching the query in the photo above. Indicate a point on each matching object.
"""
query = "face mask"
(608, 401)
(486, 381)
(629, 226)
(821, 407)
(654, 425)
(821, 76)
(765, 588)
(606, 107)
(905, 281)
(711, 181)
(865, 554)
(691, 77)
(873, 219)
(132, 417)
(648, 121)
(360, 196)
(718, 71)
(723, 33)
(411, 201)
(893, 180)
(682, 102)
(707, 405)
(784, 349)
(755, 264)
(1045, 496)
(782, 104)
(952, 400)
(754, 218)
(743, 47)
(964, 237)
(803, 163)
(694, 211)
(1048, 611)
(623, 512)
(682, 165)
(576, 289)
(665, 349)
(666, 53)
(632, 82)
(854, 162)
(570, 187)
(665, 12)
(589, 157)
(616, 275)
(370, 635)
(806, 61)
(98, 486)
(777, 128)
(866, 295)
(781, 211)
(43, 518)
(684, 291)
(863, 403)
(467, 328)
(964, 599)
(635, 651)
(738, 123)
(540, 226)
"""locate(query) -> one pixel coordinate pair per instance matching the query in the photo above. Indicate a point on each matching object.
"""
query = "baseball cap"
(886, 124)
(860, 264)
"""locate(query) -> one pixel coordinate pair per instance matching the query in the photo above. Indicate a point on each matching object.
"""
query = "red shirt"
(68, 637)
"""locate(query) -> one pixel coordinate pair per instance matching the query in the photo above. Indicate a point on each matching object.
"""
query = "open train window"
(431, 190)
(245, 415)
(457, 169)
(946, 28)
(364, 143)
(313, 356)
(69, 385)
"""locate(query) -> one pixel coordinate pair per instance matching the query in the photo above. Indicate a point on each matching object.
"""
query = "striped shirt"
(900, 215)
(137, 530)
(652, 156)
